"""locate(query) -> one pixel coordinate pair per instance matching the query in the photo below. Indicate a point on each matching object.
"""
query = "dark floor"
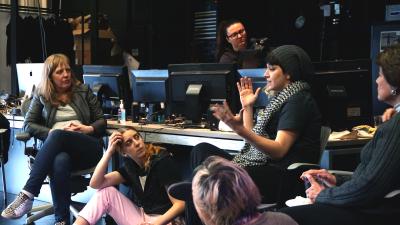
(48, 220)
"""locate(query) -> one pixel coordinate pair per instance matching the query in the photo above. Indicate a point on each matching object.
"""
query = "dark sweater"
(273, 218)
(375, 176)
(244, 59)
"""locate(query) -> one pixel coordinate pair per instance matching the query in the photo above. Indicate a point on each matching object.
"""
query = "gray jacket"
(41, 114)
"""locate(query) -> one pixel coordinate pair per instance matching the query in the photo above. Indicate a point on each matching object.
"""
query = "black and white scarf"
(249, 155)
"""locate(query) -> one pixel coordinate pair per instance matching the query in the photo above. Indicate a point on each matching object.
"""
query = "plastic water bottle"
(121, 112)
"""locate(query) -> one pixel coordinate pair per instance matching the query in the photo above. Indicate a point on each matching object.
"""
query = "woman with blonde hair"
(67, 117)
(148, 170)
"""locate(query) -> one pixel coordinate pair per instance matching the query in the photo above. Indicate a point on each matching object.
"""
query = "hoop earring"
(393, 92)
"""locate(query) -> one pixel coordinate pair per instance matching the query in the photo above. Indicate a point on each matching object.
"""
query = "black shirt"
(244, 59)
(162, 173)
(300, 114)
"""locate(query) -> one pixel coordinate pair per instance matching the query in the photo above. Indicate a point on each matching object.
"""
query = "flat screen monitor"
(149, 86)
(343, 93)
(193, 87)
(259, 81)
(28, 75)
(110, 84)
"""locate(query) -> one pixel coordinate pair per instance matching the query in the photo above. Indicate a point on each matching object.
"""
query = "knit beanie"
(294, 61)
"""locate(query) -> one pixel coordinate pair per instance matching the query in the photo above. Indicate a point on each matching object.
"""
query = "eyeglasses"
(235, 35)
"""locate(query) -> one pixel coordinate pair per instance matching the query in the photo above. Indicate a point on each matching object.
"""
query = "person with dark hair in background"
(287, 130)
(224, 194)
(232, 46)
(148, 170)
(67, 117)
(363, 197)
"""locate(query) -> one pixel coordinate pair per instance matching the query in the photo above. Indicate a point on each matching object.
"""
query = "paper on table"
(337, 135)
(299, 200)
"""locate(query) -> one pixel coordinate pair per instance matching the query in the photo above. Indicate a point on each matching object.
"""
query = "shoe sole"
(11, 217)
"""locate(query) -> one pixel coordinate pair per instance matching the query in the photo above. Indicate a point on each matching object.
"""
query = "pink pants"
(112, 202)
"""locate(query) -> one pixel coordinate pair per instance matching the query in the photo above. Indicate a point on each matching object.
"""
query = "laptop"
(29, 75)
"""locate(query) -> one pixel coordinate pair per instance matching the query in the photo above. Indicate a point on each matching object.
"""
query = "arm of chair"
(23, 136)
(303, 166)
(393, 193)
(267, 207)
(341, 172)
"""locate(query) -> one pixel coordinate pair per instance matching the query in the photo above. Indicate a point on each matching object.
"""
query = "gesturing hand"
(223, 113)
(315, 188)
(322, 175)
(247, 94)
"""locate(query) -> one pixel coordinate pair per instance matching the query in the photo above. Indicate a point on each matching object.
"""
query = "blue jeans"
(61, 153)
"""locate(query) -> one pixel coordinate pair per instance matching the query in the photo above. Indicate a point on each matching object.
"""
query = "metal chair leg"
(3, 174)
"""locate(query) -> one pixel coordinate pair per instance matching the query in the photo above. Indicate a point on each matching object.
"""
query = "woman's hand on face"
(247, 95)
(223, 113)
(114, 142)
(77, 127)
(389, 113)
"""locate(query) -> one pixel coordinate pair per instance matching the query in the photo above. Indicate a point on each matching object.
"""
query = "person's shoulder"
(279, 218)
(302, 98)
(165, 163)
(228, 56)
(162, 159)
(80, 87)
(392, 124)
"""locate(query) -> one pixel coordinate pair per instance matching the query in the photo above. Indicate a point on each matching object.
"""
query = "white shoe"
(19, 207)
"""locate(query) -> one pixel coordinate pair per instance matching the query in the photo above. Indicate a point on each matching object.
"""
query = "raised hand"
(223, 113)
(389, 113)
(247, 94)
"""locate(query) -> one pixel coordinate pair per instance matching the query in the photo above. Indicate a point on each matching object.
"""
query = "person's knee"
(109, 191)
(56, 134)
(62, 163)
(201, 150)
(201, 146)
(106, 194)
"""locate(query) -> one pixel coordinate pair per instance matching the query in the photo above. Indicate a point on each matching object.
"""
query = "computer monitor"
(259, 81)
(28, 75)
(149, 86)
(193, 87)
(343, 92)
(110, 83)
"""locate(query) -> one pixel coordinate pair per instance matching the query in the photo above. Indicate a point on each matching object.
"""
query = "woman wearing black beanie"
(286, 131)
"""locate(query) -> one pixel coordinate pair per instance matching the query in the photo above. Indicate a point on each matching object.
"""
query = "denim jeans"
(61, 153)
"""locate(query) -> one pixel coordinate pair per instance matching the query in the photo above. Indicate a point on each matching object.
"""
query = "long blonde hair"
(150, 149)
(46, 87)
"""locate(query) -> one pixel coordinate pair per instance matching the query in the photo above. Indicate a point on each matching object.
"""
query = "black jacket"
(162, 173)
(41, 114)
